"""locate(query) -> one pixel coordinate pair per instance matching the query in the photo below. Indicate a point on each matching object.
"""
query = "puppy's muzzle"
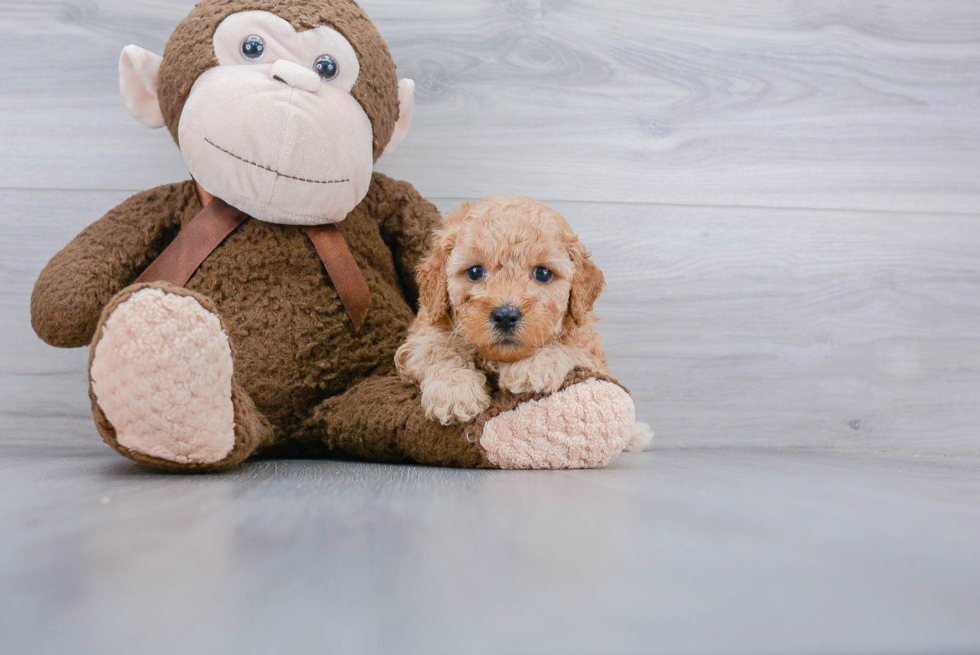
(505, 319)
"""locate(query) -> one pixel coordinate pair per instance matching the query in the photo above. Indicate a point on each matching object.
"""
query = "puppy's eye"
(475, 274)
(543, 275)
(253, 48)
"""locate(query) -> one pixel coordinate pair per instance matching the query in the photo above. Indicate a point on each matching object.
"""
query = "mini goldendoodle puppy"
(508, 288)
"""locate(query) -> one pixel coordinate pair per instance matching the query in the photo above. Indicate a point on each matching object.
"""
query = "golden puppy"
(508, 288)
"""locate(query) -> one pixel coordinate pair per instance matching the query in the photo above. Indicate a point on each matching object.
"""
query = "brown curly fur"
(305, 383)
(294, 343)
(454, 345)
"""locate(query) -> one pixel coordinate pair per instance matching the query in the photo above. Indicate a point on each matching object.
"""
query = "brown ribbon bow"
(212, 225)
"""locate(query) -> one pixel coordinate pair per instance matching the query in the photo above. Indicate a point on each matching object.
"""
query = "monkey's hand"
(108, 255)
(454, 395)
(542, 372)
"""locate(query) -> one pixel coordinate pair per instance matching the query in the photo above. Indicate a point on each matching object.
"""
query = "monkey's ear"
(406, 105)
(138, 72)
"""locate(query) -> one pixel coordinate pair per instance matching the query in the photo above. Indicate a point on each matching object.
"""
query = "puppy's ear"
(431, 274)
(587, 283)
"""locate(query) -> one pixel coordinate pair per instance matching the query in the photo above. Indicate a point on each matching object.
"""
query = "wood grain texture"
(777, 103)
(678, 551)
(792, 327)
(732, 327)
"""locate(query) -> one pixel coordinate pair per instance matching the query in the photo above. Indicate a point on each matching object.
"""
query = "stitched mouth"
(272, 170)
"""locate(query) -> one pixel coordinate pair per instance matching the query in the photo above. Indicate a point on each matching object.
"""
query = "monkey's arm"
(105, 257)
(406, 220)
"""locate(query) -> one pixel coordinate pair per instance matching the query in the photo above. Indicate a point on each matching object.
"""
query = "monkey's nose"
(505, 318)
(296, 76)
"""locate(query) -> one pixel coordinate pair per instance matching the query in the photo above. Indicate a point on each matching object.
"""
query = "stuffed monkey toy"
(257, 307)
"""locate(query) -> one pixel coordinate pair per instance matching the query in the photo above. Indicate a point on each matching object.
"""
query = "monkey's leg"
(585, 424)
(381, 420)
(162, 383)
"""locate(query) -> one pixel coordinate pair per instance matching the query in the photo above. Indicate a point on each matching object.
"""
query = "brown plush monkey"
(297, 281)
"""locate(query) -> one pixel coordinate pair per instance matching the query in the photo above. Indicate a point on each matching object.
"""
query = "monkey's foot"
(585, 425)
(161, 374)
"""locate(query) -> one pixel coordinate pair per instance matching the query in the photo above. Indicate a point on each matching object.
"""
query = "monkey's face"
(273, 129)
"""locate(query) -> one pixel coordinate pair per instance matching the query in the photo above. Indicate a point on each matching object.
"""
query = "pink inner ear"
(138, 71)
(406, 106)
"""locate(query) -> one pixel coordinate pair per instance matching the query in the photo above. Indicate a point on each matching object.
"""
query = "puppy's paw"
(543, 372)
(455, 397)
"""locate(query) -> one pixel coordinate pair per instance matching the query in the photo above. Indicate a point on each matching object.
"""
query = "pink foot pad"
(162, 375)
(585, 425)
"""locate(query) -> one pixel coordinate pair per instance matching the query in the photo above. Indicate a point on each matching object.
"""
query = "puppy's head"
(507, 275)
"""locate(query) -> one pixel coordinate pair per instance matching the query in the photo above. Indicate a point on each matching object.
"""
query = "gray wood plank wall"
(783, 195)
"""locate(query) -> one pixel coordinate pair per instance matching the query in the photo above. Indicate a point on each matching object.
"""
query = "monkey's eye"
(253, 48)
(475, 273)
(543, 275)
(326, 67)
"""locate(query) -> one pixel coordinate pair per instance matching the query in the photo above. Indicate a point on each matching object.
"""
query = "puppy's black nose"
(505, 318)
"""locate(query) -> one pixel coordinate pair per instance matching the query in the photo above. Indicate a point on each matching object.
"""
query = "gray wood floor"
(674, 551)
(784, 197)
